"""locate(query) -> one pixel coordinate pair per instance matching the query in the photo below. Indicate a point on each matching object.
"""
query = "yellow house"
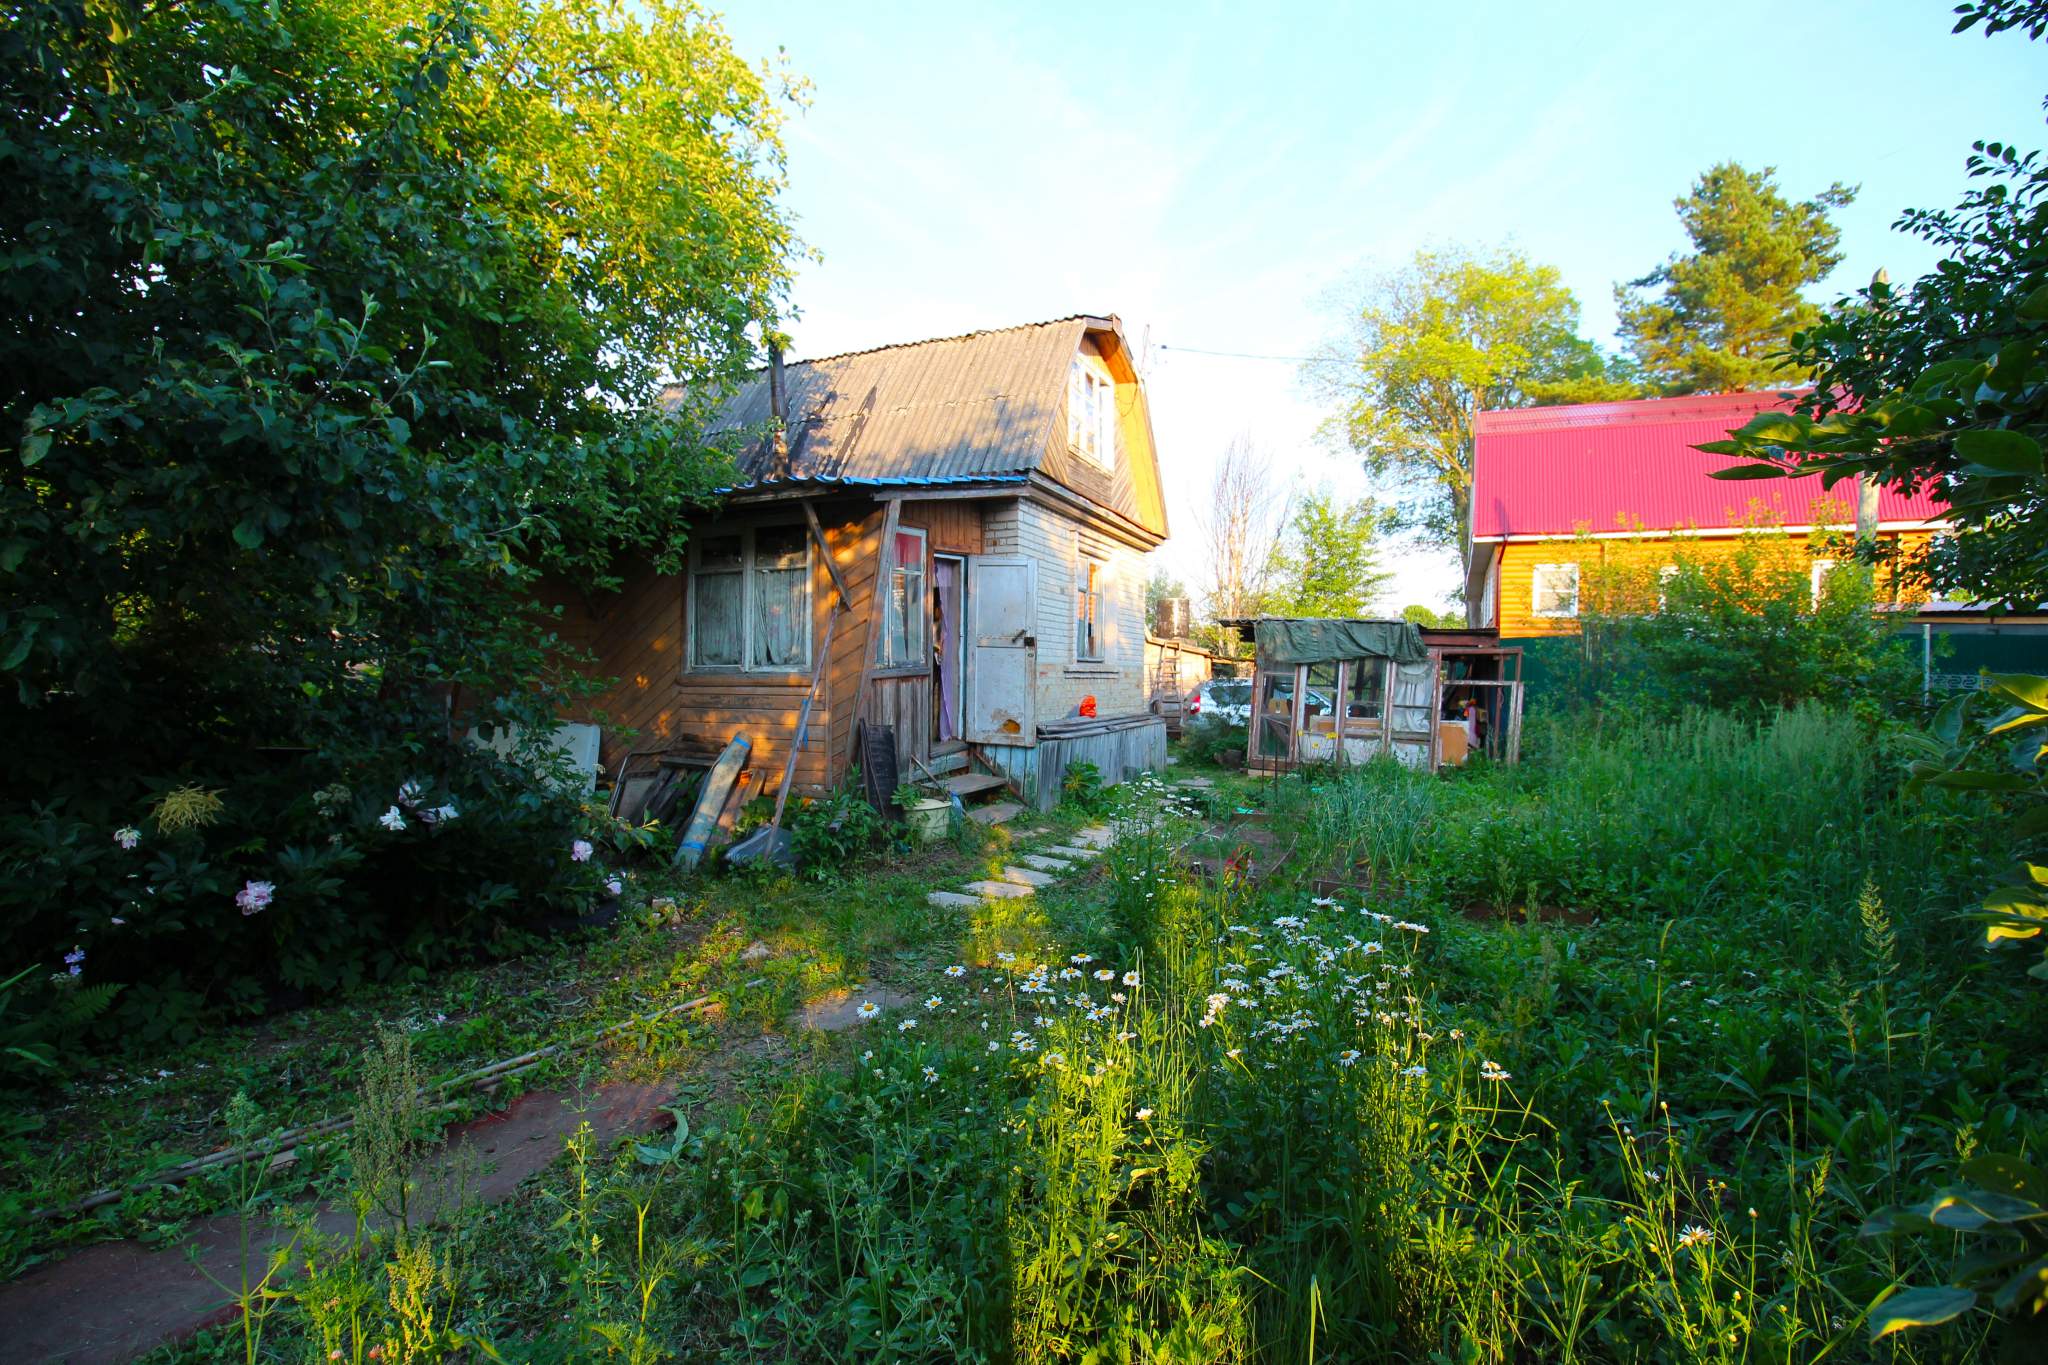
(1589, 506)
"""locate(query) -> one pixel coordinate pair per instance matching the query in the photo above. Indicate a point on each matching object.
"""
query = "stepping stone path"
(839, 1010)
(1041, 867)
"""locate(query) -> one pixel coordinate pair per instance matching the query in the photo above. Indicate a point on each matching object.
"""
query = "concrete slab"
(952, 900)
(1045, 864)
(1077, 854)
(1095, 836)
(1195, 783)
(837, 1010)
(998, 891)
(995, 812)
(1024, 876)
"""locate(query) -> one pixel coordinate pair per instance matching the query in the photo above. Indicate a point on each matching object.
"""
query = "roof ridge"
(932, 341)
(1673, 408)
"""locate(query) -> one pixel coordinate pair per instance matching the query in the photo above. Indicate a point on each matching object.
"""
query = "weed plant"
(1151, 1119)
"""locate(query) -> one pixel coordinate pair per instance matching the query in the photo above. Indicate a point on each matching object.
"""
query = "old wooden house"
(943, 538)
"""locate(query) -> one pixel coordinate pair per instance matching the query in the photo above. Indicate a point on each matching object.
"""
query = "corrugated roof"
(1626, 466)
(952, 408)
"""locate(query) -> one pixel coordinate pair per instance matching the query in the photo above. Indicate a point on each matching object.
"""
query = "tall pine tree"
(1723, 315)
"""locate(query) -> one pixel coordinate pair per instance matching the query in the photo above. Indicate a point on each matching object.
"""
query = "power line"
(1240, 355)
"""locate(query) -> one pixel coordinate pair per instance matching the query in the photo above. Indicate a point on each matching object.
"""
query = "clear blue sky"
(1216, 174)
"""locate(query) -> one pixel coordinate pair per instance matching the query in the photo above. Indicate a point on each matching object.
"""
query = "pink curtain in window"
(946, 581)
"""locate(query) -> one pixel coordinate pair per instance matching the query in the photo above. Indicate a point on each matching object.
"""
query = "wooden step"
(964, 785)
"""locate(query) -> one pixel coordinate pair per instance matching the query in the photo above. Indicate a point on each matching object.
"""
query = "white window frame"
(1091, 412)
(921, 607)
(1536, 590)
(1815, 577)
(1664, 577)
(1090, 596)
(749, 571)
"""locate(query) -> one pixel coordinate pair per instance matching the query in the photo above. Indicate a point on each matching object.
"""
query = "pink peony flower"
(255, 896)
(128, 836)
(581, 850)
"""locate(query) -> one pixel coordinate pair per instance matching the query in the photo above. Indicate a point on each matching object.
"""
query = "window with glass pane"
(904, 605)
(1365, 690)
(781, 634)
(1554, 590)
(1088, 611)
(1091, 413)
(717, 612)
(1275, 717)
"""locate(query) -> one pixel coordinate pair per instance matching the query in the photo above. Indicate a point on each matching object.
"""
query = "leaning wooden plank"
(803, 721)
(892, 516)
(825, 551)
(711, 800)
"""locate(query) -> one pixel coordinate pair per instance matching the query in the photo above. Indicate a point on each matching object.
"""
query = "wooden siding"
(1131, 484)
(1056, 542)
(1518, 561)
(637, 637)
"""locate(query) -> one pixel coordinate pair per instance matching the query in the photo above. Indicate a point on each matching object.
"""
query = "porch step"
(964, 785)
(994, 813)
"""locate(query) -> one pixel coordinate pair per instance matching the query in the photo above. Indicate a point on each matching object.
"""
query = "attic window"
(1091, 412)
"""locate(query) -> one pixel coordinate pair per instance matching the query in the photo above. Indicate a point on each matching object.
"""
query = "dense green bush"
(1748, 631)
(1207, 739)
(264, 882)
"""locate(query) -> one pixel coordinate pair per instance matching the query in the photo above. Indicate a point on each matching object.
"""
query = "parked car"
(1226, 699)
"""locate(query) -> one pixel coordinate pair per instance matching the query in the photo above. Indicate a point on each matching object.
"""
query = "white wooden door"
(1002, 650)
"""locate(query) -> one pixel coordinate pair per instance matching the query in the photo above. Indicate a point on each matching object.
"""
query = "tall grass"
(1178, 1121)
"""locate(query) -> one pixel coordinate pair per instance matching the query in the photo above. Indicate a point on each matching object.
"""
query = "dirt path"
(118, 1300)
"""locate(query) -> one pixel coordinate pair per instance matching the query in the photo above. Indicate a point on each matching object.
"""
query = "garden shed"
(1347, 691)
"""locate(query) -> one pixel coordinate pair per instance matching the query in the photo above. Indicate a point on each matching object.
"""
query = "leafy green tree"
(1328, 563)
(1943, 385)
(331, 327)
(332, 324)
(1418, 614)
(1433, 344)
(1724, 315)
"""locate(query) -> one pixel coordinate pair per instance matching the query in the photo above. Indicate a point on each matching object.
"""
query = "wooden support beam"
(892, 517)
(818, 535)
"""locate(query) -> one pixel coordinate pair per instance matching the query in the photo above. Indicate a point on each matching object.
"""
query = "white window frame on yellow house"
(1537, 575)
(1091, 412)
(1816, 577)
(1664, 577)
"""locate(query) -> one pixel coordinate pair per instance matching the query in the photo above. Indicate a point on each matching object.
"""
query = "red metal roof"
(1605, 467)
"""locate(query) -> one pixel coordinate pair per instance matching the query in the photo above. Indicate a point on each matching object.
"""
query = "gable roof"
(1607, 467)
(985, 407)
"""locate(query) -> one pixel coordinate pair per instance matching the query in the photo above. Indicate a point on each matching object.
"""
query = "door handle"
(1024, 637)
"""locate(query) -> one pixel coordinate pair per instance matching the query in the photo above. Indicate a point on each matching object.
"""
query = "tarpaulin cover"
(1282, 644)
